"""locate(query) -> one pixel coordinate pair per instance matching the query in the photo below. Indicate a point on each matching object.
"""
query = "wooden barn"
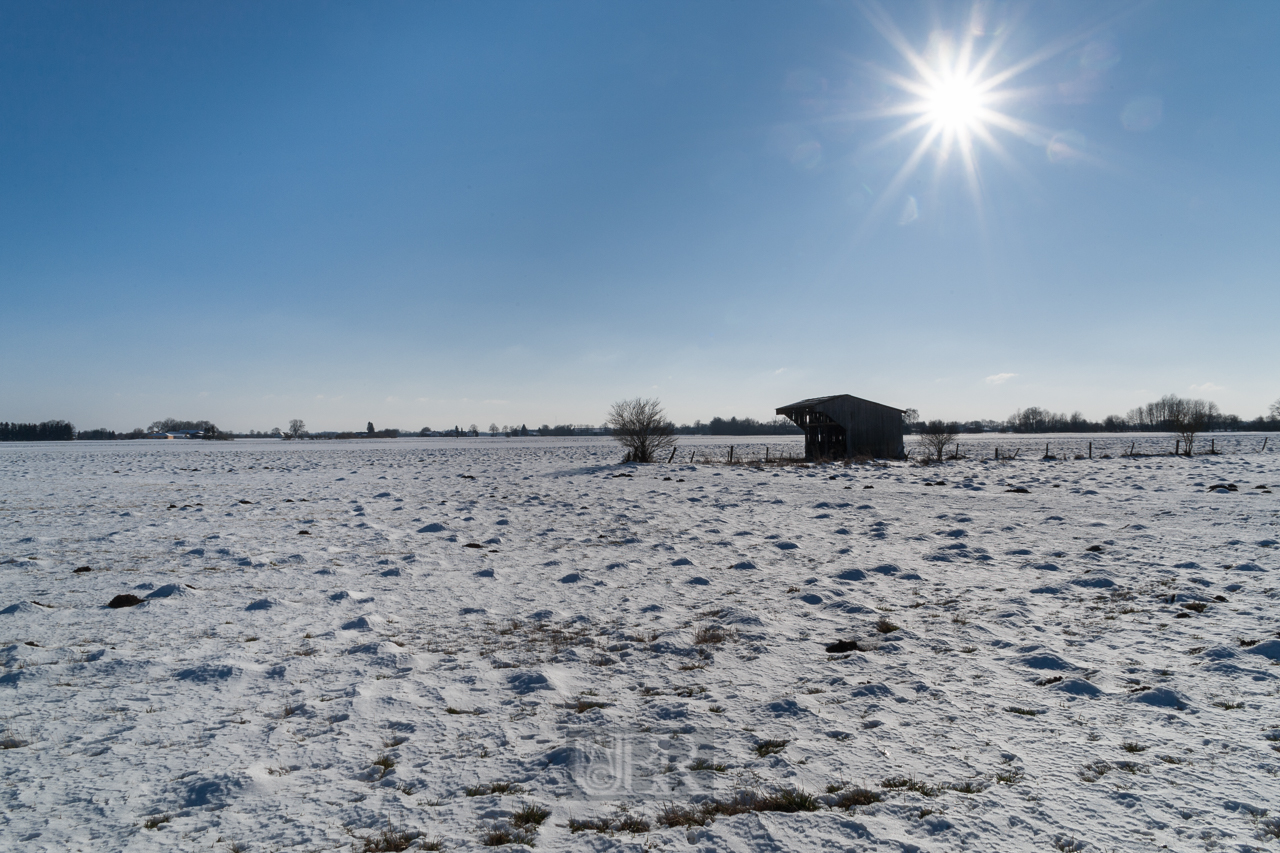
(843, 426)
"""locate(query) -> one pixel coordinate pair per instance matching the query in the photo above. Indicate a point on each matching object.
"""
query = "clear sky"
(429, 213)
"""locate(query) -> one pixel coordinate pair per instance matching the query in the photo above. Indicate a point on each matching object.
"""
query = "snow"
(1096, 658)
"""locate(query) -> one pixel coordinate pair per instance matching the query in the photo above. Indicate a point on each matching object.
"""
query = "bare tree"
(641, 426)
(1275, 411)
(493, 430)
(1189, 417)
(935, 436)
(297, 428)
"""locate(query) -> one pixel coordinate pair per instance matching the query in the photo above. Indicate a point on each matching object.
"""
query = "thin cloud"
(999, 378)
(1206, 388)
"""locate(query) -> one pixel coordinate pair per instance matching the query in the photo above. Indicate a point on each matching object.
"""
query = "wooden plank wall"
(870, 428)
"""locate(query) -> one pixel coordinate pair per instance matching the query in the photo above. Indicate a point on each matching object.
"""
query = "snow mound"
(208, 792)
(207, 673)
(526, 682)
(21, 607)
(1077, 687)
(1046, 660)
(1161, 697)
(1093, 582)
(170, 590)
(1270, 650)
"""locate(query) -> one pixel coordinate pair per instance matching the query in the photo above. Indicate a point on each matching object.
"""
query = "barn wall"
(870, 428)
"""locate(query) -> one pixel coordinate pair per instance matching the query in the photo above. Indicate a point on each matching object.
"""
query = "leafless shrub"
(936, 436)
(641, 426)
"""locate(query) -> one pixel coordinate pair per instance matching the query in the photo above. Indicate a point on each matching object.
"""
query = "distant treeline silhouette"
(740, 426)
(1168, 414)
(1163, 415)
(47, 431)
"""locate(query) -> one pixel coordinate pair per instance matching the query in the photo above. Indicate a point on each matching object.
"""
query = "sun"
(956, 100)
(954, 104)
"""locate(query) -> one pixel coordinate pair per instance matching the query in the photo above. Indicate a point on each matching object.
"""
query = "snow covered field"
(451, 639)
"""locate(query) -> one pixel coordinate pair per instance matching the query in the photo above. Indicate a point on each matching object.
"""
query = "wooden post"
(731, 454)
(997, 453)
(1213, 446)
(1046, 448)
(1131, 444)
(672, 456)
(1264, 443)
(766, 453)
(691, 452)
(1091, 450)
(1177, 442)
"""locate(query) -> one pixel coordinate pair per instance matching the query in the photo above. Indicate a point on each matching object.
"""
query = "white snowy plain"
(322, 662)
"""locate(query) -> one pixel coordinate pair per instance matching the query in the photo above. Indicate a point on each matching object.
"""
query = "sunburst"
(957, 97)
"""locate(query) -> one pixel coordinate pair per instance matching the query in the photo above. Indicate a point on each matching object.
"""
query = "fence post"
(672, 456)
(1091, 450)
(731, 454)
(1264, 443)
(1177, 442)
(766, 453)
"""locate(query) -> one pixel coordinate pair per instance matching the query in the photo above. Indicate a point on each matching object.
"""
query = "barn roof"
(814, 402)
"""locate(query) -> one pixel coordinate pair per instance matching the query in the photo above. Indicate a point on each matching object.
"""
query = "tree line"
(47, 431)
(1163, 415)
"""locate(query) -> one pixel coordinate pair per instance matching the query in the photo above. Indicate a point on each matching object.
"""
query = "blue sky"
(438, 213)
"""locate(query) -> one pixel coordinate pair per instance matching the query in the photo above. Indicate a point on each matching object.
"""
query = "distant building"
(842, 426)
(177, 433)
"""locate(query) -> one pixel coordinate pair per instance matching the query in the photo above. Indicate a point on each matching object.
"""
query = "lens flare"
(956, 100)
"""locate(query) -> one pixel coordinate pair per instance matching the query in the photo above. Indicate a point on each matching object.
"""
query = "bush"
(642, 428)
(935, 436)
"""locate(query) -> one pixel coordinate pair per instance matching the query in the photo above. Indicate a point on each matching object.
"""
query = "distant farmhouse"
(843, 426)
(178, 433)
